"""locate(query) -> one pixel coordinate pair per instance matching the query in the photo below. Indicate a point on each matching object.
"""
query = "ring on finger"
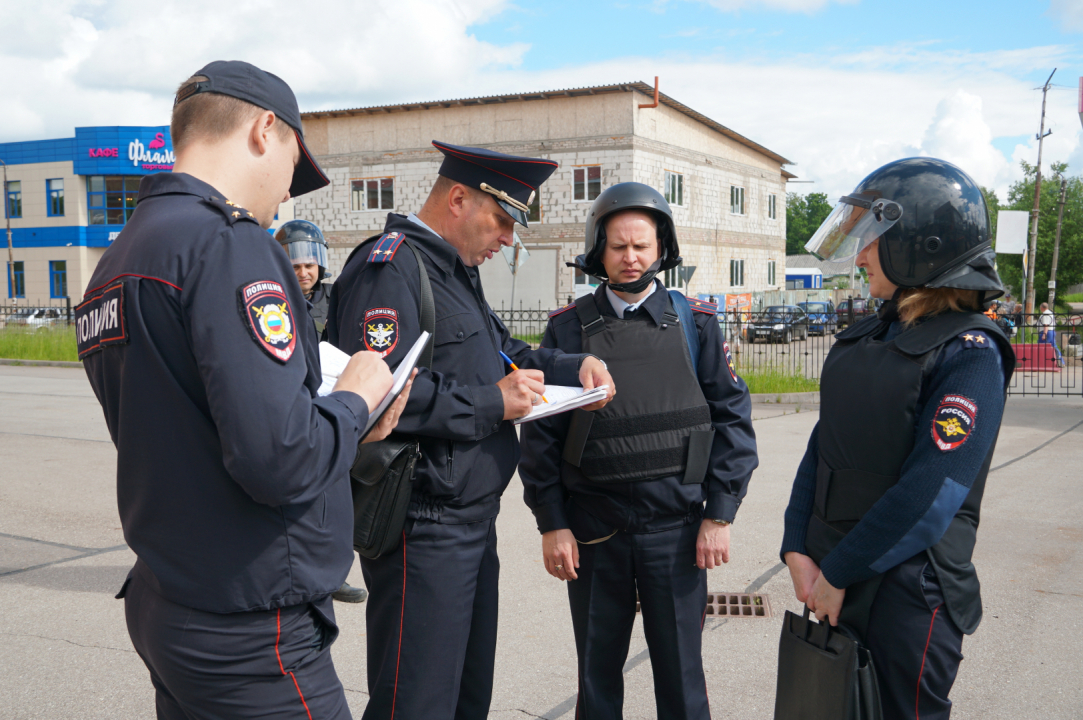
(559, 567)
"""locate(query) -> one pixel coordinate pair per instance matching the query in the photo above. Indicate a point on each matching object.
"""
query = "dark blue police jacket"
(468, 451)
(596, 510)
(232, 476)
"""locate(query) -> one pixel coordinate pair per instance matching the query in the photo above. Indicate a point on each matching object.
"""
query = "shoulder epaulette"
(975, 339)
(564, 309)
(232, 211)
(703, 306)
(386, 247)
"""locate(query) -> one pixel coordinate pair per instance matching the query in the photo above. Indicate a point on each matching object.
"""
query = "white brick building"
(728, 192)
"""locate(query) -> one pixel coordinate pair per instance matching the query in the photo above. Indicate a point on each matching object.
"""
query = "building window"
(18, 279)
(587, 183)
(534, 214)
(54, 190)
(737, 273)
(772, 208)
(372, 194)
(14, 205)
(771, 266)
(111, 199)
(737, 200)
(674, 188)
(58, 278)
(673, 279)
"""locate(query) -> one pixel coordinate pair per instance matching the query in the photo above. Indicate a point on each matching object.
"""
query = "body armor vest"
(869, 393)
(660, 424)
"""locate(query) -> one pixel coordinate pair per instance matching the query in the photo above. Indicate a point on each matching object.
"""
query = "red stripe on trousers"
(402, 616)
(278, 637)
(917, 701)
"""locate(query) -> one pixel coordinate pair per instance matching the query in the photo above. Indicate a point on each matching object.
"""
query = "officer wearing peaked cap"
(232, 475)
(432, 615)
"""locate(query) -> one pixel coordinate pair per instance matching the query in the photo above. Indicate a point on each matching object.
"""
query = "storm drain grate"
(745, 605)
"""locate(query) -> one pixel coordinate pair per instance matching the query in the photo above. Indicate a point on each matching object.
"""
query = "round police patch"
(381, 328)
(269, 318)
(953, 421)
(729, 360)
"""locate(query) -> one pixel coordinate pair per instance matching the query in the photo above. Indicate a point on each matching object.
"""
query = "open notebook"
(562, 399)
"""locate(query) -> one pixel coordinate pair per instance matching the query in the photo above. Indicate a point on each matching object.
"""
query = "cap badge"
(507, 198)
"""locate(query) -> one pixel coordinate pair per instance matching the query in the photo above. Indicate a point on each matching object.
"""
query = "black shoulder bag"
(382, 474)
(824, 673)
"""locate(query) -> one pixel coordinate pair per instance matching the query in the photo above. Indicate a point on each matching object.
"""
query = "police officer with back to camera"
(232, 475)
(432, 617)
(303, 241)
(619, 493)
(883, 516)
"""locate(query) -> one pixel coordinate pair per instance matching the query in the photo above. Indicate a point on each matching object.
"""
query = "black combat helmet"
(932, 223)
(305, 243)
(629, 196)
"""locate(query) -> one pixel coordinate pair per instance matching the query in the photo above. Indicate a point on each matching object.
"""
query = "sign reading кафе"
(123, 150)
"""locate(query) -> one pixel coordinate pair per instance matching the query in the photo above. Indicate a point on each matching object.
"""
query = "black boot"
(350, 594)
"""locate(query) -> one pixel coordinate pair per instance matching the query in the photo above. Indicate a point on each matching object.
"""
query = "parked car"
(822, 318)
(778, 323)
(862, 307)
(35, 317)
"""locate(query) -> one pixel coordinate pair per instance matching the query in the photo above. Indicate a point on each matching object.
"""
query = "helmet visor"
(307, 252)
(855, 222)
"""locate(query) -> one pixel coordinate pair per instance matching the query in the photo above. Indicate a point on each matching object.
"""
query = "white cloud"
(119, 62)
(959, 134)
(1069, 12)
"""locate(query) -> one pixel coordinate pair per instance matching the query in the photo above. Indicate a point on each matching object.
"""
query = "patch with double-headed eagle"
(269, 318)
(953, 421)
(381, 330)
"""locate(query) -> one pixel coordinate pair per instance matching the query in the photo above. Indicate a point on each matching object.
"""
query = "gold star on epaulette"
(249, 214)
(980, 339)
(968, 337)
(236, 214)
(231, 203)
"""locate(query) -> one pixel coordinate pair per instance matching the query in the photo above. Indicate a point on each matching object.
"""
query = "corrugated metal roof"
(641, 87)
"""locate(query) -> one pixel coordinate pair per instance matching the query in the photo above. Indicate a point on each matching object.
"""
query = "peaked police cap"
(512, 180)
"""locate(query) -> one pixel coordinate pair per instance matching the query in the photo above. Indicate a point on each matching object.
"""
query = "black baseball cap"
(247, 82)
(512, 180)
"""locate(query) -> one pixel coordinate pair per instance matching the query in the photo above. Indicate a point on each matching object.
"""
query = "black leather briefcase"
(382, 480)
(824, 673)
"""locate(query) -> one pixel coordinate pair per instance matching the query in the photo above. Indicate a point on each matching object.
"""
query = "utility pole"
(7, 217)
(1029, 307)
(1056, 245)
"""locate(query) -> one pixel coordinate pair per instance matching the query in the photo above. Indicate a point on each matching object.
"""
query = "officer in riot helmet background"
(883, 515)
(619, 493)
(307, 249)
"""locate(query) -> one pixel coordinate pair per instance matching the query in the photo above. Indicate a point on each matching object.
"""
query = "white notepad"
(333, 361)
(562, 399)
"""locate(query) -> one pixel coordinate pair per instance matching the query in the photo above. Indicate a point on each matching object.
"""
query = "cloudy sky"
(838, 86)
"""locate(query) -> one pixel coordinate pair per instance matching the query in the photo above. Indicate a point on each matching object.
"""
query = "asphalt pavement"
(66, 651)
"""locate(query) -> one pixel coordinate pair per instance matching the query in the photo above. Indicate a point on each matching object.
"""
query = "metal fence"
(37, 313)
(1049, 351)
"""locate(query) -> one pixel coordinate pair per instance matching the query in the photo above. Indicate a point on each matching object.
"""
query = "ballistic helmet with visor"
(247, 82)
(304, 242)
(618, 198)
(931, 220)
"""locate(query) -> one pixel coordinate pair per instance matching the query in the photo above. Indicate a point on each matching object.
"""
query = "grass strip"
(48, 343)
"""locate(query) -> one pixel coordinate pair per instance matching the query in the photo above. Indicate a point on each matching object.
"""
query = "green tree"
(1070, 262)
(804, 213)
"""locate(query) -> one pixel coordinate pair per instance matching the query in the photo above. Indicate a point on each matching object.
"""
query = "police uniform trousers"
(914, 643)
(265, 664)
(661, 568)
(432, 619)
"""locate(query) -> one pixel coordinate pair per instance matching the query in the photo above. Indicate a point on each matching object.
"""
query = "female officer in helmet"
(883, 515)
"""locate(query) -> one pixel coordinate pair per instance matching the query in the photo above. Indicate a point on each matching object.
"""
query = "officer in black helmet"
(618, 494)
(307, 249)
(883, 516)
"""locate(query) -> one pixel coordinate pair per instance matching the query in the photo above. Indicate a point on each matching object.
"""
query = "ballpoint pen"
(513, 366)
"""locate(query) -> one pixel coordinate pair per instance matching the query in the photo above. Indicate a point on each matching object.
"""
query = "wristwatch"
(723, 523)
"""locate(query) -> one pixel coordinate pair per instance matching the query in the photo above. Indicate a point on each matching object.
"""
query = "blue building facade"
(67, 199)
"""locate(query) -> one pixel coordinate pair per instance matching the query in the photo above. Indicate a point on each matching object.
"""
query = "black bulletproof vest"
(869, 392)
(659, 424)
